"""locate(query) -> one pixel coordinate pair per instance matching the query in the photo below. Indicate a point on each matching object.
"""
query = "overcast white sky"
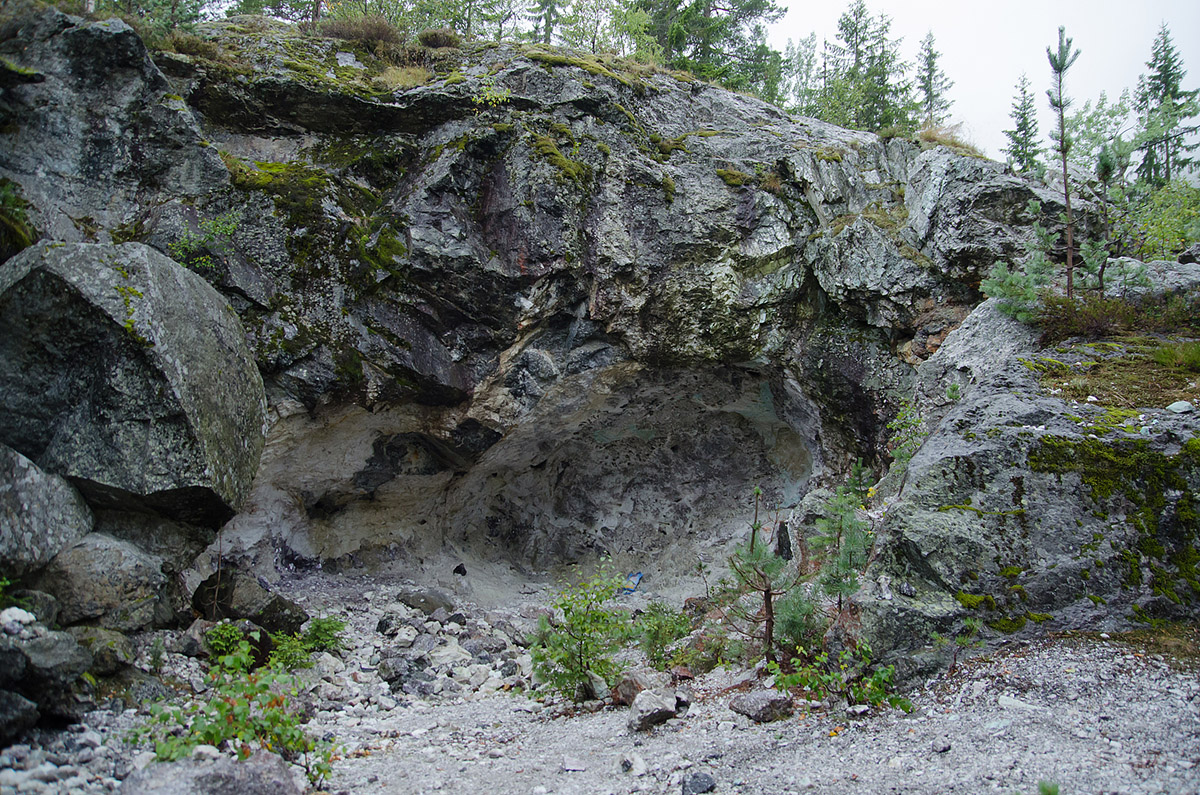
(985, 48)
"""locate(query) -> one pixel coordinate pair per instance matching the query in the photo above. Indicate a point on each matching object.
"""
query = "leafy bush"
(194, 251)
(325, 634)
(657, 629)
(224, 639)
(850, 677)
(366, 30)
(436, 38)
(244, 710)
(908, 433)
(567, 651)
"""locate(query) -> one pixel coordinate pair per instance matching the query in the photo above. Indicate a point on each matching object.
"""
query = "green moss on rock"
(1145, 482)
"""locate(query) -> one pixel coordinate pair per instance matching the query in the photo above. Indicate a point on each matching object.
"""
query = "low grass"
(948, 136)
(397, 77)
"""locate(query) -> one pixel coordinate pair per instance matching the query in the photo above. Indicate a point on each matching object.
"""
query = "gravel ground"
(1094, 714)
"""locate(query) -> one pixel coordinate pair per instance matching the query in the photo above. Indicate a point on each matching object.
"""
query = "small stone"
(1008, 702)
(16, 615)
(650, 708)
(572, 764)
(698, 783)
(206, 752)
(633, 764)
(940, 745)
(1181, 407)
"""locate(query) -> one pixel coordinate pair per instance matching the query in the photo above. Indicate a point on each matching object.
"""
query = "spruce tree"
(1060, 61)
(932, 84)
(1165, 107)
(545, 16)
(1023, 149)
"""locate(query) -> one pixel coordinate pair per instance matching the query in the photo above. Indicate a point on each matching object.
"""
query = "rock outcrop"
(540, 308)
(1028, 510)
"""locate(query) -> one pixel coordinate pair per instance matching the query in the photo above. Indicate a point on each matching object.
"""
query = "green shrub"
(244, 710)
(851, 677)
(436, 38)
(325, 634)
(908, 433)
(567, 651)
(224, 639)
(657, 629)
(289, 652)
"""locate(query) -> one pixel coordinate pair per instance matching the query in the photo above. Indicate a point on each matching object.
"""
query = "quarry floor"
(1093, 714)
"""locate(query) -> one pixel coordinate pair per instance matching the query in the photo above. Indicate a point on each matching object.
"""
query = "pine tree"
(1023, 149)
(1165, 108)
(932, 84)
(721, 40)
(1060, 61)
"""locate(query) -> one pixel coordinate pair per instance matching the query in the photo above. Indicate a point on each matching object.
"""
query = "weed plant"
(245, 709)
(657, 628)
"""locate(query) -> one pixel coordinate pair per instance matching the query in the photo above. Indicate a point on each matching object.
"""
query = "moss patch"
(1153, 491)
(568, 169)
(16, 230)
(734, 178)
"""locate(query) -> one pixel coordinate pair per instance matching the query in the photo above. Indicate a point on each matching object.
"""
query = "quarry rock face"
(585, 320)
(1027, 512)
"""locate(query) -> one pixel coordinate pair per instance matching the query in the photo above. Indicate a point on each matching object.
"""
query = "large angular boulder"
(129, 375)
(40, 514)
(44, 667)
(236, 594)
(108, 581)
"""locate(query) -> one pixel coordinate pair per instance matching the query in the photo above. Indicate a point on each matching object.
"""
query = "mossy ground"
(1178, 642)
(1119, 371)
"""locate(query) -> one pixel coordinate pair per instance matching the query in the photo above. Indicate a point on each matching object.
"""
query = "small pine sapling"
(767, 575)
(908, 432)
(846, 542)
(1018, 291)
(962, 641)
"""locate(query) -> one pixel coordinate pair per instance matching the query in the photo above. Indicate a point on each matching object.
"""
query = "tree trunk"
(769, 624)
